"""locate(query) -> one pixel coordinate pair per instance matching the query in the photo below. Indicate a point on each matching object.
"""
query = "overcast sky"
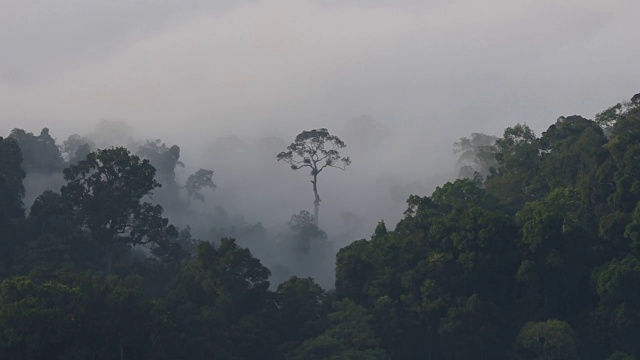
(426, 72)
(264, 66)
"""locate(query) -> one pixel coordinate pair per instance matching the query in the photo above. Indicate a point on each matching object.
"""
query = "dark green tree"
(618, 311)
(11, 206)
(301, 311)
(572, 149)
(517, 177)
(471, 330)
(555, 255)
(547, 340)
(349, 336)
(619, 112)
(80, 316)
(106, 191)
(221, 300)
(54, 240)
(618, 355)
(353, 268)
(11, 177)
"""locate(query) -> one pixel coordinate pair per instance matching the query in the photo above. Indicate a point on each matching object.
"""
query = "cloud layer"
(422, 73)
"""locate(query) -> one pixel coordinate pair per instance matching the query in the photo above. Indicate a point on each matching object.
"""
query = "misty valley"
(115, 247)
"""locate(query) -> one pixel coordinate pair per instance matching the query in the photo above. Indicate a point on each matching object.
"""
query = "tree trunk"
(316, 202)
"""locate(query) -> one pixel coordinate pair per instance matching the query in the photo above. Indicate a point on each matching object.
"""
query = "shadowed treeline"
(531, 254)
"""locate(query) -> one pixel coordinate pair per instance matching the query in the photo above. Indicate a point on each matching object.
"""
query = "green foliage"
(551, 339)
(74, 316)
(106, 190)
(11, 206)
(572, 149)
(535, 259)
(349, 336)
(220, 299)
(423, 282)
(517, 176)
(53, 240)
(300, 303)
(632, 231)
(381, 229)
(471, 329)
(11, 177)
(478, 258)
(463, 192)
(618, 355)
(618, 311)
(353, 268)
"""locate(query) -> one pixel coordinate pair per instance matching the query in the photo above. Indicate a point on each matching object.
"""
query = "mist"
(255, 197)
(232, 84)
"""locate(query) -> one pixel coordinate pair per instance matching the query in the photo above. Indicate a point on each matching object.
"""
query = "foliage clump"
(533, 253)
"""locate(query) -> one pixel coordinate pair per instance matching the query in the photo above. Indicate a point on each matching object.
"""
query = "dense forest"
(532, 253)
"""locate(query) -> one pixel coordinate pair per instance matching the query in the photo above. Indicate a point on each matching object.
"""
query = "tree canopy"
(106, 190)
(317, 150)
(534, 255)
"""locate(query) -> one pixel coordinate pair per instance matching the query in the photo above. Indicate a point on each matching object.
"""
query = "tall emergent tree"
(106, 191)
(316, 150)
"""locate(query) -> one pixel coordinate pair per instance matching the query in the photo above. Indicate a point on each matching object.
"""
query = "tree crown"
(316, 149)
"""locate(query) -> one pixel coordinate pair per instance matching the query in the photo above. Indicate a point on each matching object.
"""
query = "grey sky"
(472, 64)
(427, 72)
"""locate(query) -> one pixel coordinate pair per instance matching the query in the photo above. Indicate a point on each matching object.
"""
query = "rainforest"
(531, 252)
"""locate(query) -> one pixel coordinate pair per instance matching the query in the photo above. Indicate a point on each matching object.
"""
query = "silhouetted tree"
(316, 150)
(106, 191)
(76, 148)
(476, 155)
(11, 177)
(198, 180)
(40, 153)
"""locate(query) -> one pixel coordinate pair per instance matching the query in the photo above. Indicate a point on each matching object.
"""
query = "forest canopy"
(532, 253)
